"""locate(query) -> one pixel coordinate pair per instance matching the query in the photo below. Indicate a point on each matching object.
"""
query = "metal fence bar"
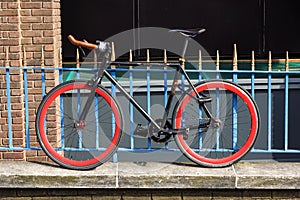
(286, 103)
(165, 85)
(234, 102)
(270, 102)
(26, 109)
(252, 75)
(148, 93)
(130, 104)
(9, 116)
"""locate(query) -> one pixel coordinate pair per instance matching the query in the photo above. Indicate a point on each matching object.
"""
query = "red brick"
(43, 40)
(3, 120)
(16, 99)
(30, 33)
(13, 155)
(41, 12)
(15, 63)
(9, 12)
(30, 5)
(48, 19)
(37, 159)
(14, 49)
(3, 134)
(25, 27)
(17, 127)
(48, 5)
(15, 85)
(48, 33)
(31, 19)
(43, 26)
(19, 134)
(8, 42)
(25, 12)
(13, 19)
(12, 5)
(33, 77)
(16, 107)
(9, 27)
(16, 92)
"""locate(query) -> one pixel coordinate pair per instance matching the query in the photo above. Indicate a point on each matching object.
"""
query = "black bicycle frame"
(179, 70)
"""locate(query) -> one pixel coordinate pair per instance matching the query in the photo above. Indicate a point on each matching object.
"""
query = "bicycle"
(214, 123)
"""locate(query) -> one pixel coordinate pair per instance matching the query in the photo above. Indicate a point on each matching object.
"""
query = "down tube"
(131, 99)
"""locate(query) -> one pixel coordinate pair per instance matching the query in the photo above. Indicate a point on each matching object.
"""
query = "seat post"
(185, 46)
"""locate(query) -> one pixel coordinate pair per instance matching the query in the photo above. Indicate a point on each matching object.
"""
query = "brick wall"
(146, 194)
(27, 28)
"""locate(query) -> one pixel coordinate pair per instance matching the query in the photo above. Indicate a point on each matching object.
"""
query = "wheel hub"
(79, 125)
(217, 123)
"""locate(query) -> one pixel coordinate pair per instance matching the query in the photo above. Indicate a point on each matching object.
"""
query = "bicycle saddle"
(189, 32)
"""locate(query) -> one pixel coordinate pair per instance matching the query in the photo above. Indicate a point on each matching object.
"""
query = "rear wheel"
(78, 144)
(228, 136)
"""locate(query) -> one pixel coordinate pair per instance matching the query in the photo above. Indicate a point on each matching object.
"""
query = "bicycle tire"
(228, 138)
(82, 148)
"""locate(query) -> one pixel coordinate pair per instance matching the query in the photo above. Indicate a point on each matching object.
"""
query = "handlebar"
(81, 43)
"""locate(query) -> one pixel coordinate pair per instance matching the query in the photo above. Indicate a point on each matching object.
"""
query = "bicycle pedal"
(141, 131)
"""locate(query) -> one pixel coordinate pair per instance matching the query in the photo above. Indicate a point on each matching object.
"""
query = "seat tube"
(172, 94)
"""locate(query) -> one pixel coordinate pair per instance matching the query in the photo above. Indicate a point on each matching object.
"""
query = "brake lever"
(84, 55)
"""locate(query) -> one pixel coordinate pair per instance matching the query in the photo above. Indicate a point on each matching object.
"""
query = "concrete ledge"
(244, 175)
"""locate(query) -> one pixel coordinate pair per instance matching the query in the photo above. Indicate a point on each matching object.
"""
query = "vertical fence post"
(96, 98)
(270, 101)
(217, 65)
(148, 92)
(270, 61)
(43, 73)
(200, 65)
(165, 78)
(77, 64)
(252, 74)
(286, 102)
(234, 101)
(165, 85)
(130, 104)
(217, 61)
(113, 91)
(235, 63)
(77, 59)
(8, 92)
(217, 99)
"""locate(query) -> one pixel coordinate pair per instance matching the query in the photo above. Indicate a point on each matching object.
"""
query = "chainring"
(158, 135)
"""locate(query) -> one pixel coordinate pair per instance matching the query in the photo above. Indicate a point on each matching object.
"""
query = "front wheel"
(226, 137)
(78, 144)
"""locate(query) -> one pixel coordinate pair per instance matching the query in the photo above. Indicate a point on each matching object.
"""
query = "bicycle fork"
(80, 123)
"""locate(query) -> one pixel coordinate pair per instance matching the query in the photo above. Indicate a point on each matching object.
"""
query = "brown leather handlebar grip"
(81, 43)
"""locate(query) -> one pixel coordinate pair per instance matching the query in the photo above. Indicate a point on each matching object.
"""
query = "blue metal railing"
(268, 81)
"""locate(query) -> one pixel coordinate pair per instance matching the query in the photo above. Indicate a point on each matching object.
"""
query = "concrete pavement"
(152, 175)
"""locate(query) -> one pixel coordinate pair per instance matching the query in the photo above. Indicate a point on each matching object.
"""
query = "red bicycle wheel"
(78, 144)
(228, 136)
